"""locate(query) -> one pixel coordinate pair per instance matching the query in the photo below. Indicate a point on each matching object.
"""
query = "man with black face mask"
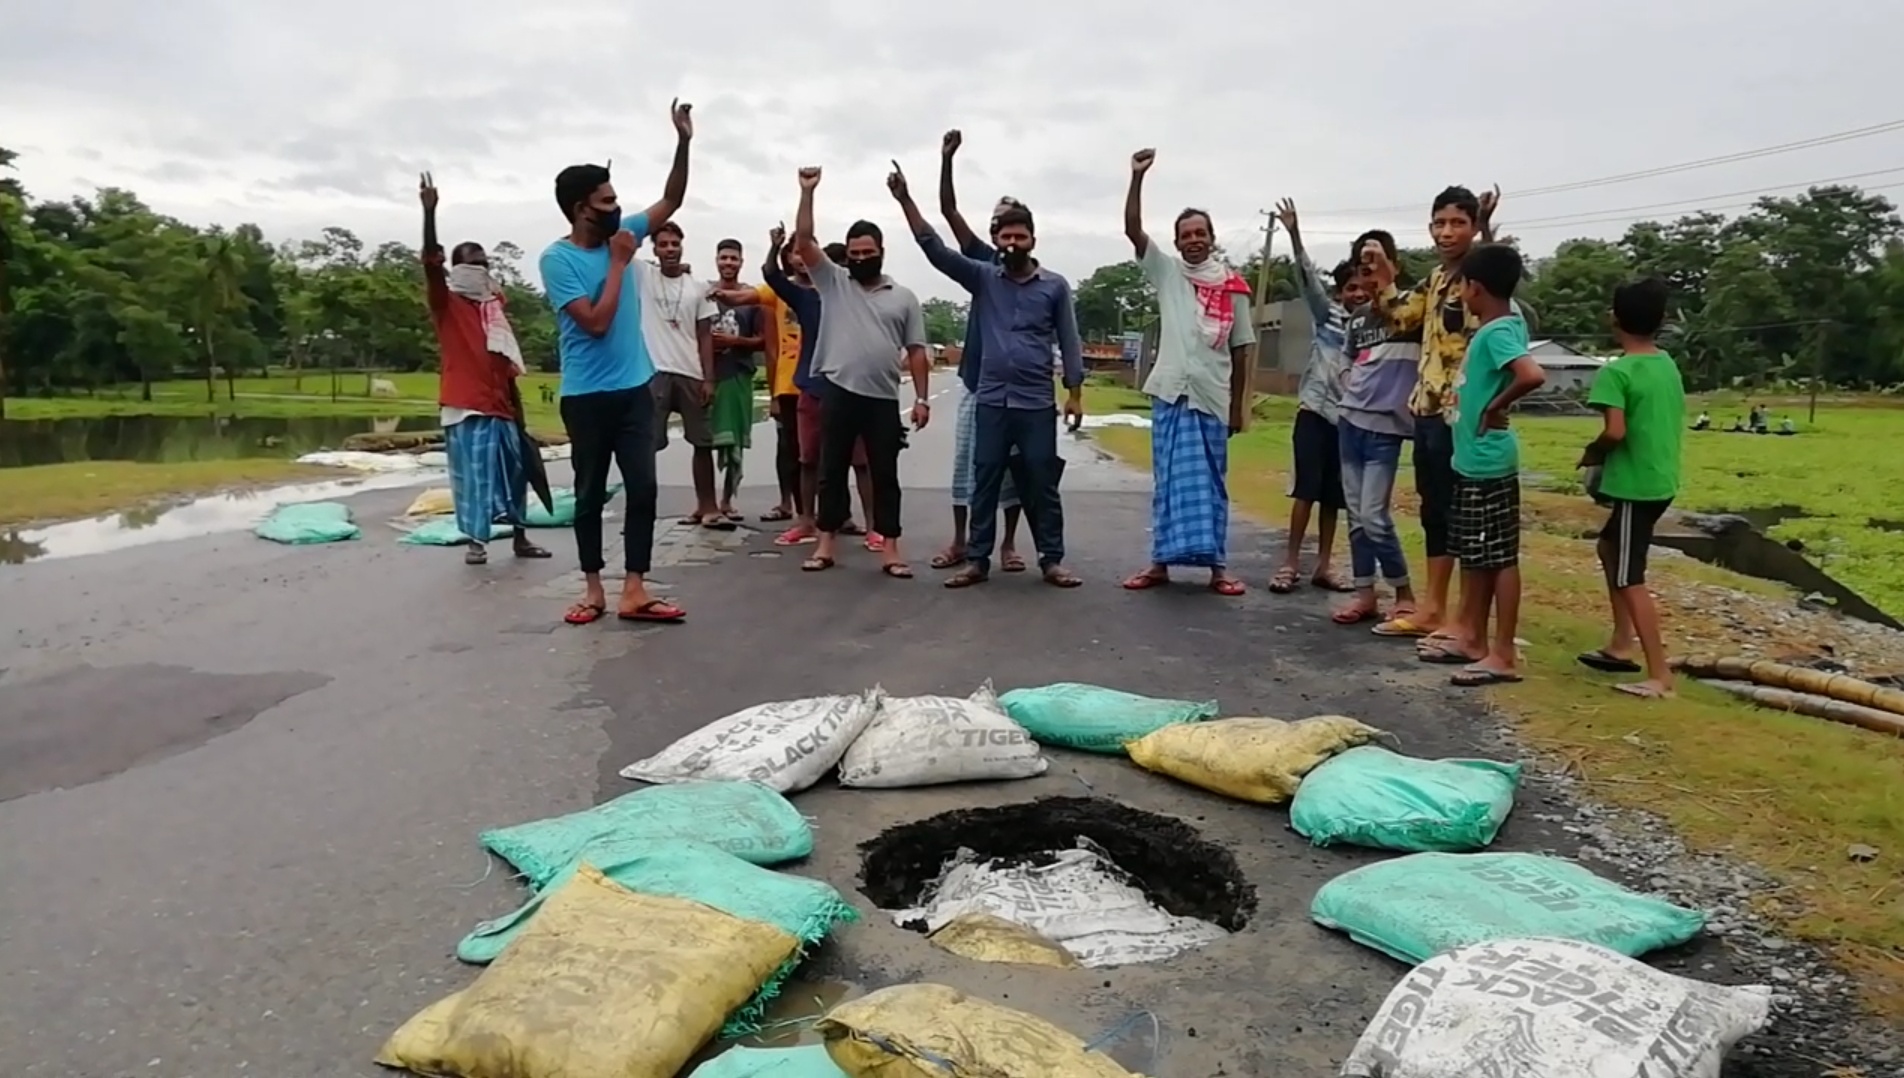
(1025, 313)
(606, 402)
(868, 321)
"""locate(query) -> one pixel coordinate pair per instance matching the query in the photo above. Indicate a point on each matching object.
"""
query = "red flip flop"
(1228, 587)
(1145, 581)
(585, 613)
(658, 610)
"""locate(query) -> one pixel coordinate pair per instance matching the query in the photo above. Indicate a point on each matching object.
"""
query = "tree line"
(105, 291)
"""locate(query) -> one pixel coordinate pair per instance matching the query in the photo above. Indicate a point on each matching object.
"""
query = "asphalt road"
(240, 783)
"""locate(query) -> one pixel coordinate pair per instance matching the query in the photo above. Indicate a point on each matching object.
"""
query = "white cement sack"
(1080, 901)
(785, 746)
(929, 740)
(1553, 1008)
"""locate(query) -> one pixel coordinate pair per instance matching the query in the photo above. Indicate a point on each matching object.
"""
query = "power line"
(1774, 189)
(1663, 170)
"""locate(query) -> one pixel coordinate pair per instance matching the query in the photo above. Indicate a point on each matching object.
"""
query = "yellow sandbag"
(434, 502)
(1260, 760)
(982, 937)
(603, 983)
(915, 1030)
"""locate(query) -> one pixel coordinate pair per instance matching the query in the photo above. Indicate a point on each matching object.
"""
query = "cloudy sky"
(297, 116)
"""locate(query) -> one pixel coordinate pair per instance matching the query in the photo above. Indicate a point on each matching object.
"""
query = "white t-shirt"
(670, 307)
(1186, 364)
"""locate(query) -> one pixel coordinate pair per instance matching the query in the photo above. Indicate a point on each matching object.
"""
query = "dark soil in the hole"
(1175, 867)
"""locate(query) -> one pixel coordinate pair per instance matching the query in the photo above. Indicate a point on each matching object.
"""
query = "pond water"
(163, 439)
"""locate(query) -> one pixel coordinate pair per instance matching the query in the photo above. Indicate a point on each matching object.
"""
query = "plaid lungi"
(963, 469)
(1190, 497)
(487, 480)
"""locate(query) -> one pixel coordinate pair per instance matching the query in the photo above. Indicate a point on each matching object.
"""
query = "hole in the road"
(1108, 883)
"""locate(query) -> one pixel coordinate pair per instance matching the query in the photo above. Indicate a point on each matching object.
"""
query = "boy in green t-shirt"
(1484, 527)
(1643, 402)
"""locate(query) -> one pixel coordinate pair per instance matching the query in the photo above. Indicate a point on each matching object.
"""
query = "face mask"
(471, 281)
(1015, 258)
(866, 270)
(608, 222)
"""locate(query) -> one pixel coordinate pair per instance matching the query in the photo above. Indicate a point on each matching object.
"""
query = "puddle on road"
(89, 723)
(164, 523)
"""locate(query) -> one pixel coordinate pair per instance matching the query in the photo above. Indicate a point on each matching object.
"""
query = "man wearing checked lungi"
(480, 364)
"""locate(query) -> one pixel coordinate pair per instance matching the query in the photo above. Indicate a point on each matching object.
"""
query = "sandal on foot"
(1401, 625)
(852, 527)
(1355, 615)
(1013, 562)
(898, 570)
(530, 550)
(1607, 663)
(875, 543)
(1228, 586)
(1146, 580)
(794, 537)
(718, 524)
(816, 564)
(654, 610)
(945, 560)
(1331, 582)
(1447, 657)
(1284, 581)
(775, 515)
(585, 613)
(1059, 577)
(475, 555)
(968, 577)
(1477, 677)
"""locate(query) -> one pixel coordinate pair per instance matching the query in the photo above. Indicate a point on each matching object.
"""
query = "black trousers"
(615, 427)
(1024, 442)
(787, 446)
(845, 418)
(1434, 481)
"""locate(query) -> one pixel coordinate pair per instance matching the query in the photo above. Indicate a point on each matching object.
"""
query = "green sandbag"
(803, 908)
(806, 1061)
(744, 819)
(1419, 906)
(562, 515)
(1370, 796)
(1094, 718)
(443, 531)
(310, 522)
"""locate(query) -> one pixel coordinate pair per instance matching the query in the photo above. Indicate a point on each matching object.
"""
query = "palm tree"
(218, 296)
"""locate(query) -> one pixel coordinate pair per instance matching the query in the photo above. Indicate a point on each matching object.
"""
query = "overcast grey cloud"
(300, 116)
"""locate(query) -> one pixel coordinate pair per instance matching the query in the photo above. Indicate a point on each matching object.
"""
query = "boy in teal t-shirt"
(1642, 401)
(1484, 528)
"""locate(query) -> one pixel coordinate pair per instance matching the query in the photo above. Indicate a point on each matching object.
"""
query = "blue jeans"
(1369, 463)
(1023, 442)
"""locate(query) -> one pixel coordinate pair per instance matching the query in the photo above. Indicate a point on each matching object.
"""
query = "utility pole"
(1817, 371)
(1262, 268)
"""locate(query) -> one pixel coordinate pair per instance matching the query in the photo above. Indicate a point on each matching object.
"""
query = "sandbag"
(1078, 899)
(443, 531)
(928, 740)
(1261, 760)
(803, 908)
(1552, 1008)
(603, 983)
(1370, 796)
(307, 523)
(931, 1031)
(562, 513)
(1093, 718)
(786, 746)
(983, 937)
(435, 502)
(806, 1061)
(1419, 906)
(744, 819)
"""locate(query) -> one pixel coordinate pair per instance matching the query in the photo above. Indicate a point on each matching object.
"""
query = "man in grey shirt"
(866, 322)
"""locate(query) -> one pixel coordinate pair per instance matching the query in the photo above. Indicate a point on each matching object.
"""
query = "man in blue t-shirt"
(606, 405)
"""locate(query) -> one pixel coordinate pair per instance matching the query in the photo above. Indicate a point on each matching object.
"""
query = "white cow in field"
(382, 387)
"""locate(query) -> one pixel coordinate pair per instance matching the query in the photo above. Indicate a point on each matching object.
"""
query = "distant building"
(1568, 369)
